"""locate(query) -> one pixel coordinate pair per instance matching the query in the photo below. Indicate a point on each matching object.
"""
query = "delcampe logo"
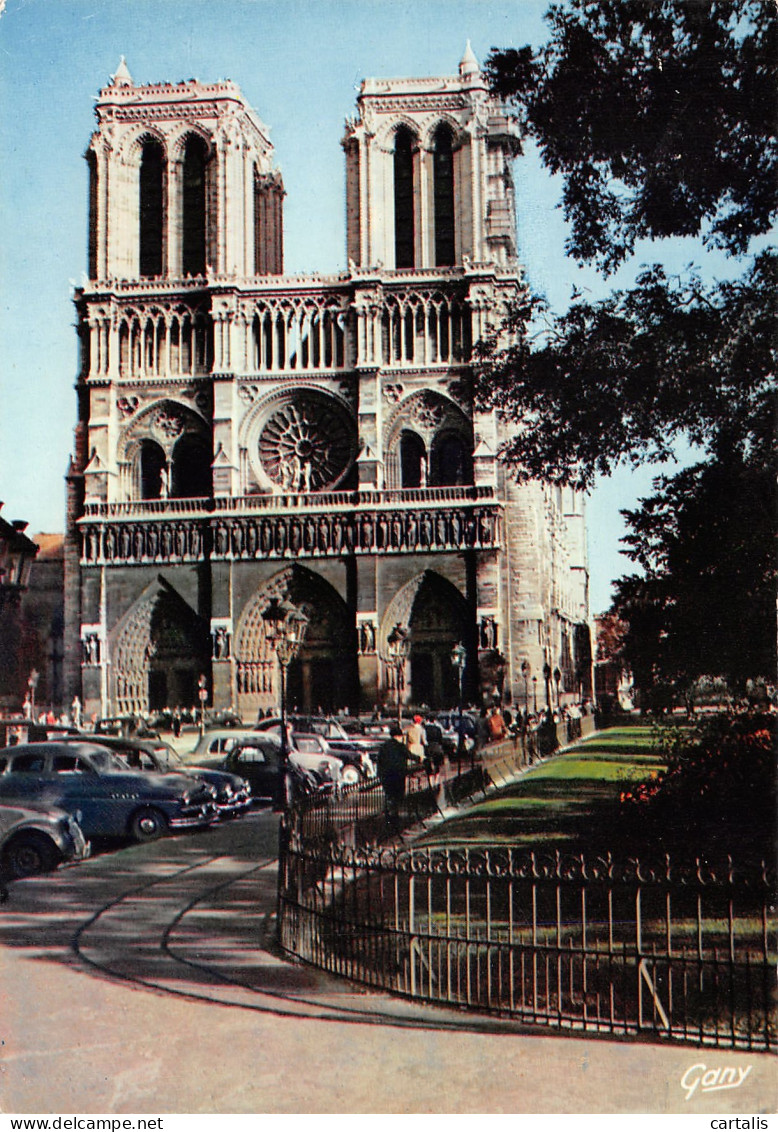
(707, 1080)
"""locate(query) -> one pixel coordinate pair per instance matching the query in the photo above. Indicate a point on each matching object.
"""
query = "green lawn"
(561, 803)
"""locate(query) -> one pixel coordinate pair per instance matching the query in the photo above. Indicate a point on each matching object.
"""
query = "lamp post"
(534, 695)
(398, 648)
(557, 680)
(202, 695)
(459, 660)
(525, 674)
(285, 627)
(547, 678)
(32, 684)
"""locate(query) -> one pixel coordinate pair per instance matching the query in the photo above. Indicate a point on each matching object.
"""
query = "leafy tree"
(660, 117)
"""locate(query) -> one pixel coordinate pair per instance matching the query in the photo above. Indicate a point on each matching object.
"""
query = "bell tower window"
(404, 228)
(152, 196)
(413, 460)
(194, 206)
(443, 172)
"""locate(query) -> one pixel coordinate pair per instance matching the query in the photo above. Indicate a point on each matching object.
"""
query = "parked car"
(233, 794)
(258, 759)
(109, 800)
(355, 752)
(35, 841)
(214, 743)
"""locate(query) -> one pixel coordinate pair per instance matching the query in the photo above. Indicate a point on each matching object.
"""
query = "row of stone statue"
(337, 534)
(139, 541)
(288, 535)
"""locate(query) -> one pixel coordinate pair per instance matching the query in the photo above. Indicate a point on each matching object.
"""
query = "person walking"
(416, 739)
(392, 770)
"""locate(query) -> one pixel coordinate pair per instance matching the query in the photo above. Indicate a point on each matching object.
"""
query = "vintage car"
(258, 759)
(355, 752)
(233, 794)
(35, 841)
(110, 800)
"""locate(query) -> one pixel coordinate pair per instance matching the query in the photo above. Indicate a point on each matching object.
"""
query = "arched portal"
(325, 673)
(437, 617)
(160, 649)
(413, 460)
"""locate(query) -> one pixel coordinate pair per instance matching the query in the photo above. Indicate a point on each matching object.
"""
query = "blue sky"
(299, 64)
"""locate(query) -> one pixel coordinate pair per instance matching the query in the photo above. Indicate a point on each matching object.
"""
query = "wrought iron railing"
(672, 951)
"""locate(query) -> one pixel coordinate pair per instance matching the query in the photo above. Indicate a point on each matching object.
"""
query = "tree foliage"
(625, 377)
(660, 115)
(705, 601)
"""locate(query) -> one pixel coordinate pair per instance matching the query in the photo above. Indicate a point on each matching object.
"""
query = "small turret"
(469, 65)
(122, 76)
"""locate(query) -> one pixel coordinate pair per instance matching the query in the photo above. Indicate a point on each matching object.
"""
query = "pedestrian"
(177, 722)
(416, 739)
(482, 734)
(392, 770)
(496, 725)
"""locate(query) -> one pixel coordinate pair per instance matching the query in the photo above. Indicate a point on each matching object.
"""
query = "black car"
(258, 759)
(233, 794)
(355, 753)
(97, 788)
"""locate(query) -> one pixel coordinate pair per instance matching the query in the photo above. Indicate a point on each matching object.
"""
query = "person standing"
(416, 739)
(392, 770)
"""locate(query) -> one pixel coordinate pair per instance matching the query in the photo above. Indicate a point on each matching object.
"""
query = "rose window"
(306, 444)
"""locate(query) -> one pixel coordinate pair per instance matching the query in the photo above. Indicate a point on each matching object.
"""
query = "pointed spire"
(122, 76)
(469, 64)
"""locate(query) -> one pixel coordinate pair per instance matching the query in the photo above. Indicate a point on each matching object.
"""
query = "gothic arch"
(437, 616)
(324, 674)
(158, 651)
(185, 440)
(432, 417)
(132, 145)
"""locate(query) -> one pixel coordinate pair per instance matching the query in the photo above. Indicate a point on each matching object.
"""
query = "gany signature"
(712, 1080)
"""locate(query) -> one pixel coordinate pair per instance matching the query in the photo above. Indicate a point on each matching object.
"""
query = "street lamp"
(398, 648)
(557, 679)
(285, 627)
(547, 678)
(459, 660)
(202, 695)
(535, 695)
(525, 674)
(32, 684)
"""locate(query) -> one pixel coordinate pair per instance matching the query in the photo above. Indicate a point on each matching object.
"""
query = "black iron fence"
(631, 948)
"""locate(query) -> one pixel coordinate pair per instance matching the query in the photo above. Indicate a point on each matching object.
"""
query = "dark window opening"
(404, 233)
(194, 209)
(152, 466)
(452, 462)
(413, 460)
(443, 166)
(191, 470)
(93, 186)
(152, 209)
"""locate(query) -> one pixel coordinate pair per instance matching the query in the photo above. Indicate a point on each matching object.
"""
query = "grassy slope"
(560, 803)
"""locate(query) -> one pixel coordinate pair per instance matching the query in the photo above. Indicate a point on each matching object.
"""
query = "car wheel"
(30, 854)
(350, 775)
(148, 824)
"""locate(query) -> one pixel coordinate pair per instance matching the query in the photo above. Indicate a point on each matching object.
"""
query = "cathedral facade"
(244, 434)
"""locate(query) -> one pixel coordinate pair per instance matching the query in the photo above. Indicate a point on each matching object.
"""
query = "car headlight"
(325, 770)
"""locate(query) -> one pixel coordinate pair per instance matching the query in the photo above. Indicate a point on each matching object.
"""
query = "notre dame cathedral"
(244, 434)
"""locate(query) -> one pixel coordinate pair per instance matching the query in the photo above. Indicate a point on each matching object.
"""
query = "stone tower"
(245, 435)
